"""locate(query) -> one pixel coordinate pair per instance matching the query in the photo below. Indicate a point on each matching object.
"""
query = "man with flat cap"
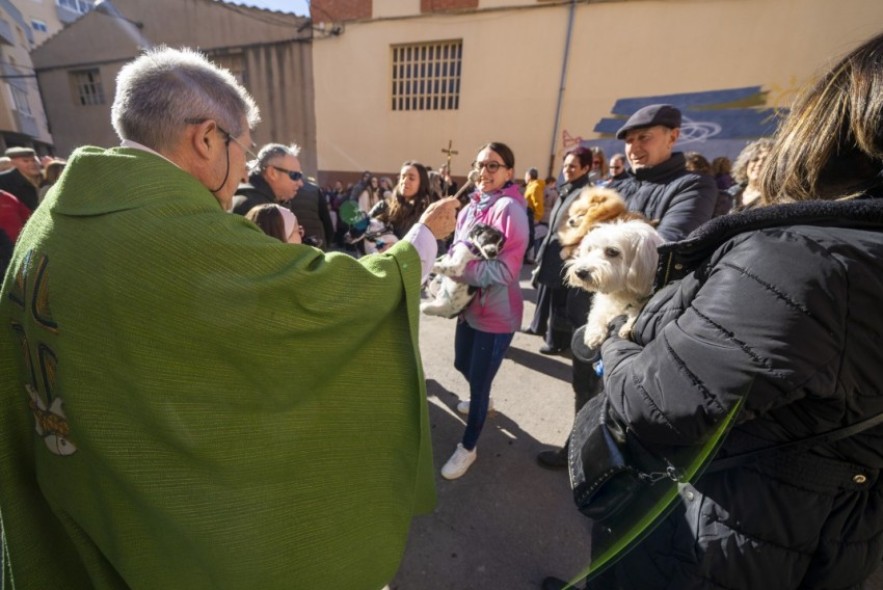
(659, 185)
(25, 177)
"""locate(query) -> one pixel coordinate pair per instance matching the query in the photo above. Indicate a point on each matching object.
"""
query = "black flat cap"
(650, 116)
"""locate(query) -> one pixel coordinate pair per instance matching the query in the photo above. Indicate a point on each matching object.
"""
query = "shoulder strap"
(795, 445)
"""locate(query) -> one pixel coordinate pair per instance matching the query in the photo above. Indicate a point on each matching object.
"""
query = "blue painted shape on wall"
(717, 124)
(710, 98)
(708, 115)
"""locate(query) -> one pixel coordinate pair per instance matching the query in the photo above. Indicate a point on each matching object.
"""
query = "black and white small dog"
(450, 297)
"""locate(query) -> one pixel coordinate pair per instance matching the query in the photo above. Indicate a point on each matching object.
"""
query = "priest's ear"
(206, 138)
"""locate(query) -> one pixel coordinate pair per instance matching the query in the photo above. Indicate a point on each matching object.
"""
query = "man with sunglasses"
(275, 177)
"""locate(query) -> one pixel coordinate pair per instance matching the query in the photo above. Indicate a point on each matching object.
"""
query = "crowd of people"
(775, 300)
(24, 181)
(166, 425)
(394, 202)
(331, 231)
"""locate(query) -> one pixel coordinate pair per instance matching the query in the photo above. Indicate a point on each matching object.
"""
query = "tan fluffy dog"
(594, 205)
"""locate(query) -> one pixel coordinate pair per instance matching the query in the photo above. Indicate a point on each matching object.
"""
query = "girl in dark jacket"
(784, 298)
(409, 199)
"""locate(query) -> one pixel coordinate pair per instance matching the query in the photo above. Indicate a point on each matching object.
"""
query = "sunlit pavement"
(507, 523)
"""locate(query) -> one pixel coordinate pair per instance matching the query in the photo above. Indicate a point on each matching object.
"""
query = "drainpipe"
(561, 88)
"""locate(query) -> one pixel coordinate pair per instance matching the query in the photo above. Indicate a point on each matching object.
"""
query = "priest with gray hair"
(185, 401)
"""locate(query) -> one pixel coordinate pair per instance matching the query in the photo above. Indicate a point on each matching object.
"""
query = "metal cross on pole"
(450, 152)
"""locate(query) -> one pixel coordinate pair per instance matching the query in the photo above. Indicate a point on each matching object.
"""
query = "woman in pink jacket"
(485, 328)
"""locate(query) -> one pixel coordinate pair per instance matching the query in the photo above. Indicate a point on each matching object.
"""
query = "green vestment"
(188, 403)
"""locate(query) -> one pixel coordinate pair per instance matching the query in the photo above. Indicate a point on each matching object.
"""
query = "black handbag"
(609, 467)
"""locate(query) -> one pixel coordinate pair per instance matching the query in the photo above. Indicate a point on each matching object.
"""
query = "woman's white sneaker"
(463, 407)
(459, 462)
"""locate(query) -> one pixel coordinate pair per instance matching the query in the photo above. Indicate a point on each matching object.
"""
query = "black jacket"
(6, 247)
(256, 192)
(13, 181)
(311, 210)
(549, 264)
(681, 200)
(789, 297)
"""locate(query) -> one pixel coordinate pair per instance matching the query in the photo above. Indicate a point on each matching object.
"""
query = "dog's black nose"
(584, 274)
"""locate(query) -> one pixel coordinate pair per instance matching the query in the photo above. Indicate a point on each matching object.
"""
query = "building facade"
(22, 120)
(268, 51)
(403, 78)
(47, 17)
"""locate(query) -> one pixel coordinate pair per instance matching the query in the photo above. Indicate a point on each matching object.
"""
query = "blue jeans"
(478, 355)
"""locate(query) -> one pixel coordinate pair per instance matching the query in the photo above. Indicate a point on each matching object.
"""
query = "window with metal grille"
(426, 76)
(87, 86)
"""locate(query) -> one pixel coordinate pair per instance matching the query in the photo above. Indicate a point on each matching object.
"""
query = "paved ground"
(507, 523)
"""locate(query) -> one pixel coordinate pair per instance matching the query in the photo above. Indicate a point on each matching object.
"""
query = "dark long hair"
(268, 218)
(402, 212)
(696, 162)
(831, 145)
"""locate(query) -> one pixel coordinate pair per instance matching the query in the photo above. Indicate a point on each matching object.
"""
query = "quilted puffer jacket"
(788, 297)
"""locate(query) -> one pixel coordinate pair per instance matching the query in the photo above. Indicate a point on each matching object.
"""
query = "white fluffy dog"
(617, 261)
(450, 297)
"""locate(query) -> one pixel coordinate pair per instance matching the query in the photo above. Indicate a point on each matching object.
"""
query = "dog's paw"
(439, 308)
(429, 308)
(593, 338)
(626, 330)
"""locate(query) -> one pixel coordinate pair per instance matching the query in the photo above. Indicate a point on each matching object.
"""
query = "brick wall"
(343, 10)
(340, 10)
(443, 5)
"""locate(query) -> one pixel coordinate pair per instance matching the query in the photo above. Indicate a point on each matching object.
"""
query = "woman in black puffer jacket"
(787, 297)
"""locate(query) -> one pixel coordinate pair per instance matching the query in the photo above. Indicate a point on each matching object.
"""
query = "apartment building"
(22, 120)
